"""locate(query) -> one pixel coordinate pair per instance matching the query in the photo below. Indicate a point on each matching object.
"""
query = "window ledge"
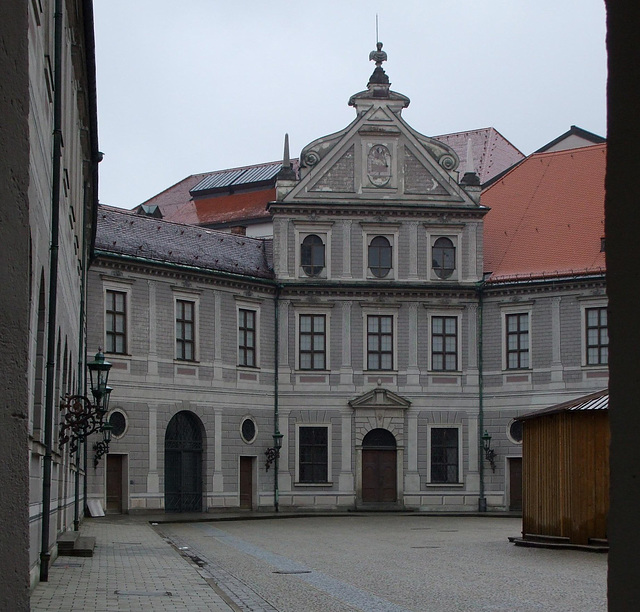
(313, 484)
(444, 485)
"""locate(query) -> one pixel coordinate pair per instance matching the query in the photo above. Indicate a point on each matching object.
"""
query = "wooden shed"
(565, 460)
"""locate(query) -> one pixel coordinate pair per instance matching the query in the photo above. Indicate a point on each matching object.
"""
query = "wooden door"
(246, 483)
(114, 484)
(379, 481)
(515, 483)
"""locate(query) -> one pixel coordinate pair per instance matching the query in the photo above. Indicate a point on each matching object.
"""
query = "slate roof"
(159, 241)
(547, 216)
(492, 152)
(594, 401)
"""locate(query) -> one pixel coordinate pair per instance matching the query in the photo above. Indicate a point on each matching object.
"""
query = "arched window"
(312, 255)
(380, 256)
(443, 254)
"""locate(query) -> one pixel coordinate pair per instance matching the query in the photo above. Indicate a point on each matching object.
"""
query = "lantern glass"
(486, 440)
(99, 375)
(277, 440)
(106, 432)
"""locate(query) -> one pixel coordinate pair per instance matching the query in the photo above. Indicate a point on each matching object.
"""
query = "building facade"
(49, 149)
(375, 338)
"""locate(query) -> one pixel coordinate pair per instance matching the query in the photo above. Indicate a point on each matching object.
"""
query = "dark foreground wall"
(14, 306)
(622, 210)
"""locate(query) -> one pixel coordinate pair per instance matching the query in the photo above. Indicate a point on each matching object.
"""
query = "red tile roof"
(225, 208)
(547, 216)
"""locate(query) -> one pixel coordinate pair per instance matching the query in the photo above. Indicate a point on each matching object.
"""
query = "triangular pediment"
(378, 158)
(379, 398)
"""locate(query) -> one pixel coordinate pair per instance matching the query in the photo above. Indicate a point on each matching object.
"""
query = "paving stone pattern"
(132, 569)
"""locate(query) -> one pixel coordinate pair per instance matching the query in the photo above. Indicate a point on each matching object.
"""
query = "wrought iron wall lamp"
(489, 453)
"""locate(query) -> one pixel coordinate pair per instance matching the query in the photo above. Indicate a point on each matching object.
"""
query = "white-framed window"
(444, 253)
(380, 253)
(381, 332)
(313, 454)
(595, 333)
(312, 338)
(117, 317)
(444, 454)
(248, 317)
(119, 423)
(313, 250)
(516, 337)
(445, 340)
(186, 309)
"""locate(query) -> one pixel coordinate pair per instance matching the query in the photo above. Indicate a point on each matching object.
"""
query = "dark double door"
(379, 467)
(183, 464)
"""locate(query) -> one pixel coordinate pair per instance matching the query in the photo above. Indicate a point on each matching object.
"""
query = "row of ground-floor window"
(379, 467)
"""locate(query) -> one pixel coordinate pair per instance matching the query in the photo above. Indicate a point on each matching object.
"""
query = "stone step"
(72, 544)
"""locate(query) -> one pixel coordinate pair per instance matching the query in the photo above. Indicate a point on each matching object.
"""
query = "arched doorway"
(379, 467)
(183, 464)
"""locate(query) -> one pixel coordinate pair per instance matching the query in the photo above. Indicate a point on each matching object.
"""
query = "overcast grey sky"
(201, 85)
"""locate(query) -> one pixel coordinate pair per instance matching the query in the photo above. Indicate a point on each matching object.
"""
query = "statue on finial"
(378, 56)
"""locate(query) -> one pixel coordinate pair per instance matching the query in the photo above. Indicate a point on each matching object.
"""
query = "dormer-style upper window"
(380, 259)
(443, 254)
(312, 255)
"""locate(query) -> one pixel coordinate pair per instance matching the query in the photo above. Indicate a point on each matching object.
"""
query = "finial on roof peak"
(378, 56)
(286, 172)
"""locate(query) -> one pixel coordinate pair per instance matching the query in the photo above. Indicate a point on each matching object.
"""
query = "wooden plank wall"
(566, 475)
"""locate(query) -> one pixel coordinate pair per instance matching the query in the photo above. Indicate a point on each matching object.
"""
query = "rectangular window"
(517, 335)
(313, 448)
(312, 342)
(597, 336)
(444, 343)
(380, 342)
(247, 338)
(116, 322)
(185, 330)
(445, 455)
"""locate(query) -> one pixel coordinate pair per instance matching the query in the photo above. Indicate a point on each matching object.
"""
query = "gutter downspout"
(482, 500)
(81, 357)
(276, 425)
(45, 555)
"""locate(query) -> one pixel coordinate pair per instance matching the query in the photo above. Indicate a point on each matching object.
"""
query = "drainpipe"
(81, 356)
(482, 500)
(53, 292)
(276, 425)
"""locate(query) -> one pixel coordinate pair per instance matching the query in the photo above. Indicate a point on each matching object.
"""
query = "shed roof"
(594, 401)
(547, 216)
(162, 242)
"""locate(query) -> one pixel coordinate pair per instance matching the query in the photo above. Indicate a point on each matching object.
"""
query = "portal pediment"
(379, 398)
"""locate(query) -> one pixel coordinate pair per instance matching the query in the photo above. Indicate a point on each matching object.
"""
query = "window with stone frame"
(185, 330)
(312, 342)
(444, 448)
(380, 256)
(517, 341)
(597, 336)
(444, 343)
(116, 322)
(247, 337)
(379, 342)
(443, 255)
(313, 454)
(312, 255)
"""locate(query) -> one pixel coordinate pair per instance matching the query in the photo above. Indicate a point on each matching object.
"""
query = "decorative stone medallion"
(379, 165)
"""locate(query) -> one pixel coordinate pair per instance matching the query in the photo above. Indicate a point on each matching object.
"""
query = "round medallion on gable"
(379, 165)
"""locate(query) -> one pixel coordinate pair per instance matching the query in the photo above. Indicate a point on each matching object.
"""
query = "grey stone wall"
(14, 305)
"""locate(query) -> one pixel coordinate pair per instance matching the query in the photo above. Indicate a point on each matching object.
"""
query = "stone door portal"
(379, 467)
(183, 464)
(114, 484)
(246, 483)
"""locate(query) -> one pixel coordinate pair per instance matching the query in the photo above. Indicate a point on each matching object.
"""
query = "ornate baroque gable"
(378, 158)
